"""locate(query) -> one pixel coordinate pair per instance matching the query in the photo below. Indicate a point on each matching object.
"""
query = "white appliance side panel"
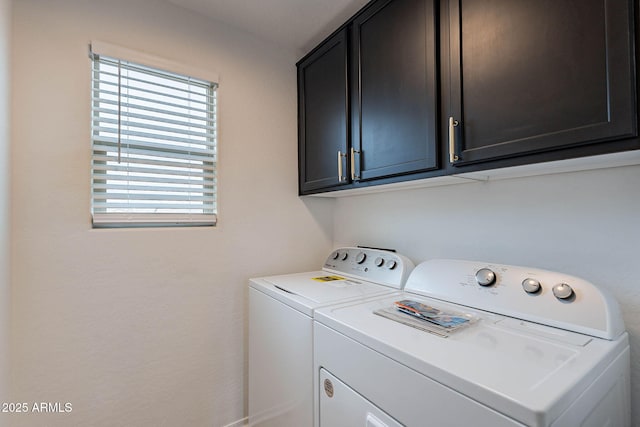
(406, 395)
(340, 406)
(606, 403)
(292, 299)
(280, 364)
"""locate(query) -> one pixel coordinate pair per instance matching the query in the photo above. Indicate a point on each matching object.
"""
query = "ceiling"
(293, 24)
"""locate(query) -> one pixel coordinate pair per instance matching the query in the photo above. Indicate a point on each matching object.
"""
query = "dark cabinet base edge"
(603, 161)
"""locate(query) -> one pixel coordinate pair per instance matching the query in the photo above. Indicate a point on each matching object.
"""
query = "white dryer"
(492, 345)
(281, 327)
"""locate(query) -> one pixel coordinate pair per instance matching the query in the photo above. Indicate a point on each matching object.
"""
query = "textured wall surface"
(5, 295)
(583, 223)
(145, 327)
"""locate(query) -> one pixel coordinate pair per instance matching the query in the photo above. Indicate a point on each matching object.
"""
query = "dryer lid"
(519, 368)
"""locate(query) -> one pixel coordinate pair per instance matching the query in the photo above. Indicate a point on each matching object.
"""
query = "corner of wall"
(5, 305)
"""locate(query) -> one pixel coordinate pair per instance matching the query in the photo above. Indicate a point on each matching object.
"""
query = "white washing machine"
(281, 327)
(491, 345)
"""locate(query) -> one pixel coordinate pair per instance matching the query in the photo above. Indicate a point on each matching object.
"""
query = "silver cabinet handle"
(353, 164)
(341, 177)
(453, 157)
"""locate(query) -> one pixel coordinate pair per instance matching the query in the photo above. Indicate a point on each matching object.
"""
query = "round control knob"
(344, 256)
(379, 262)
(335, 255)
(531, 286)
(562, 291)
(391, 264)
(361, 257)
(485, 277)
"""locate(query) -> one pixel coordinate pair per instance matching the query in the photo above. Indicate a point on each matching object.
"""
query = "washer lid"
(527, 371)
(307, 291)
(348, 273)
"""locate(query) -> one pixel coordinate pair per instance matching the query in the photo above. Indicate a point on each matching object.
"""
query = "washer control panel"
(540, 296)
(374, 265)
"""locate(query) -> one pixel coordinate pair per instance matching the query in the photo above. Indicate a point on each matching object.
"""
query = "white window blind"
(154, 146)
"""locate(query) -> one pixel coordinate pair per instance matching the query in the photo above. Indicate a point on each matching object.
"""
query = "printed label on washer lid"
(327, 278)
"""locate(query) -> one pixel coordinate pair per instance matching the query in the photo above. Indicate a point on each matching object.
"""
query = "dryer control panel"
(540, 296)
(375, 265)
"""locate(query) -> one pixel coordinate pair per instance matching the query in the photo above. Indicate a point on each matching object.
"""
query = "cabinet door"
(532, 76)
(394, 89)
(323, 115)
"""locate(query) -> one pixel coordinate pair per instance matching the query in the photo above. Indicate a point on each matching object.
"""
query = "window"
(153, 135)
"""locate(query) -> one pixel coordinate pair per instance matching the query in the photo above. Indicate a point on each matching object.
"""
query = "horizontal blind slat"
(112, 149)
(152, 136)
(168, 163)
(152, 220)
(147, 188)
(156, 118)
(155, 146)
(152, 206)
(110, 61)
(129, 104)
(124, 122)
(190, 93)
(148, 171)
(207, 101)
(98, 197)
(99, 176)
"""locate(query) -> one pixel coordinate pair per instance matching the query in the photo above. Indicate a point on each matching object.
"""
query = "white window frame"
(162, 158)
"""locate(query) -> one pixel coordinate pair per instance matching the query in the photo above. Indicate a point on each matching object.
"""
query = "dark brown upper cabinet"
(393, 90)
(378, 117)
(414, 89)
(323, 116)
(533, 76)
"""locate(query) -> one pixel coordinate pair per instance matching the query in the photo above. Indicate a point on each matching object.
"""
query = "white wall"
(145, 327)
(584, 223)
(5, 36)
